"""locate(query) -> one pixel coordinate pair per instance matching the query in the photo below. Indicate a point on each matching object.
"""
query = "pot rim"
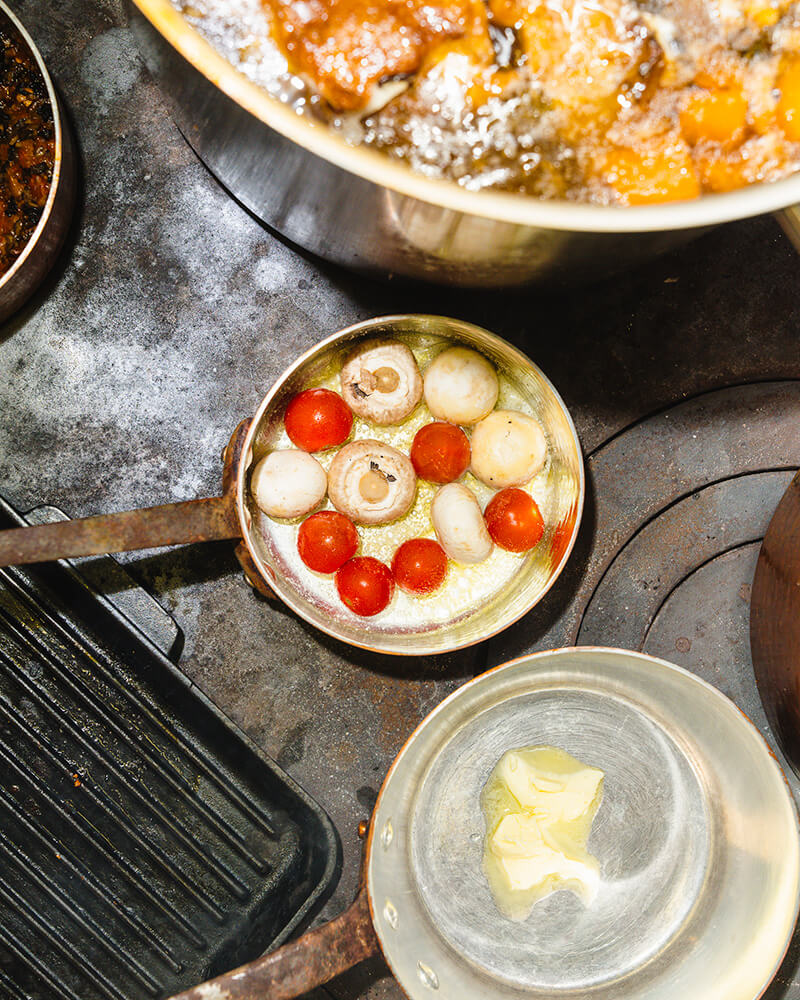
(247, 530)
(397, 178)
(58, 156)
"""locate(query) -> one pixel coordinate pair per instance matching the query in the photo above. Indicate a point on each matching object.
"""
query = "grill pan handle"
(300, 966)
(169, 524)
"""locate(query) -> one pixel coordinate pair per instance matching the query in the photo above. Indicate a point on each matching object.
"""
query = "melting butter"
(538, 805)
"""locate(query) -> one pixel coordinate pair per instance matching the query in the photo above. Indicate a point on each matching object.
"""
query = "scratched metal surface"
(172, 311)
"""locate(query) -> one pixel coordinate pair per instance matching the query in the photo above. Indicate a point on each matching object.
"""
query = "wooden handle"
(300, 966)
(170, 524)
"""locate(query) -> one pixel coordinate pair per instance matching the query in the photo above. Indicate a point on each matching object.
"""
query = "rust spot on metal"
(302, 965)
(251, 573)
(207, 519)
(201, 520)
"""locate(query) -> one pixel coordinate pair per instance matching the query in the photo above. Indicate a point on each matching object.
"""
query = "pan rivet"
(427, 976)
(386, 834)
(391, 914)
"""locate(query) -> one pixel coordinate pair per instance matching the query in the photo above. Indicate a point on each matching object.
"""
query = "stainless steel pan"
(360, 209)
(696, 835)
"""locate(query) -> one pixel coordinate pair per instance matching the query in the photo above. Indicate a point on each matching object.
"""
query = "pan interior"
(651, 836)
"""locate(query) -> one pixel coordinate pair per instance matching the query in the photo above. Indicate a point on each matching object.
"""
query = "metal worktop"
(173, 310)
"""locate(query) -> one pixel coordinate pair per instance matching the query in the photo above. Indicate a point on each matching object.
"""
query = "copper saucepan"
(696, 836)
(266, 565)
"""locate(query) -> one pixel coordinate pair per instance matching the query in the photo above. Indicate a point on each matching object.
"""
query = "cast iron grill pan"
(145, 843)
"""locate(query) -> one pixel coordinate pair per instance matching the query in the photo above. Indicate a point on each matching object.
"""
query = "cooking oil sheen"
(465, 587)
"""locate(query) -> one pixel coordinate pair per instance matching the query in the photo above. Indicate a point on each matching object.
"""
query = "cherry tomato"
(514, 520)
(326, 541)
(440, 452)
(420, 565)
(317, 418)
(365, 585)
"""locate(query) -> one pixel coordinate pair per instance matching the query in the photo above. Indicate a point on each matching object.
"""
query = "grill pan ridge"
(145, 843)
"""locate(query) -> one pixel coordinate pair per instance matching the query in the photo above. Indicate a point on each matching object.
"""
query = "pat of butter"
(539, 804)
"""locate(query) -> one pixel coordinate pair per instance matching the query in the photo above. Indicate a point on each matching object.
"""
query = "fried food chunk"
(346, 47)
(716, 114)
(583, 53)
(789, 102)
(658, 172)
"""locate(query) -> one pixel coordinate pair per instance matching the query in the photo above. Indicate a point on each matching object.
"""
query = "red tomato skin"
(326, 540)
(514, 520)
(440, 452)
(365, 585)
(316, 419)
(419, 566)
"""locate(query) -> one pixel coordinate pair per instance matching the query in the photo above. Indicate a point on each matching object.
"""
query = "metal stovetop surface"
(173, 310)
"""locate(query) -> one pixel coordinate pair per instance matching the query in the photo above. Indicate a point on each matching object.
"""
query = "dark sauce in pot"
(27, 147)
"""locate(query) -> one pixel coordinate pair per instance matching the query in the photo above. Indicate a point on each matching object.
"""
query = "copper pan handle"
(789, 219)
(169, 524)
(300, 966)
(203, 520)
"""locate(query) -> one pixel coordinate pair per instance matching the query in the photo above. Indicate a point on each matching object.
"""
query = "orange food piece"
(662, 172)
(721, 175)
(764, 15)
(347, 46)
(718, 115)
(488, 83)
(788, 109)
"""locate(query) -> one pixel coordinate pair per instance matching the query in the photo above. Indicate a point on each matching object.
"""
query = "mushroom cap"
(459, 525)
(371, 482)
(508, 449)
(461, 386)
(383, 400)
(288, 483)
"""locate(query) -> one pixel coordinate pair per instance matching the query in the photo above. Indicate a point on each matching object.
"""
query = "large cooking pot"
(358, 208)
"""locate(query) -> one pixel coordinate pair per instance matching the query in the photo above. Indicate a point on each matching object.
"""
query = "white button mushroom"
(459, 525)
(508, 449)
(371, 482)
(288, 483)
(381, 381)
(460, 386)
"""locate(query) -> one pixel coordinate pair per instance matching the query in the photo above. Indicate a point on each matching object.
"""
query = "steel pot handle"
(202, 520)
(300, 966)
(789, 219)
